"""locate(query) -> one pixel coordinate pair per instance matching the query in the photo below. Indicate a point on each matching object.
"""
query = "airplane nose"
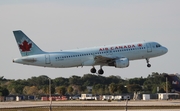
(165, 50)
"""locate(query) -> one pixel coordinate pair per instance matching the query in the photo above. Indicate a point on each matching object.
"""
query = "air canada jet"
(118, 55)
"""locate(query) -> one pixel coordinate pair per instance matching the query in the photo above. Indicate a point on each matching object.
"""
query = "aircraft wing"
(99, 59)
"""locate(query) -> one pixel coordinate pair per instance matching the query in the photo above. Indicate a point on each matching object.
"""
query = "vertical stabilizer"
(26, 46)
(174, 81)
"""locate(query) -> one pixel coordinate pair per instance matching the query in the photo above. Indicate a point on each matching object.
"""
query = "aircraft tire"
(149, 65)
(100, 71)
(93, 70)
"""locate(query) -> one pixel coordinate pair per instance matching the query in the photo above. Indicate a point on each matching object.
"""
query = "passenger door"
(47, 59)
(149, 48)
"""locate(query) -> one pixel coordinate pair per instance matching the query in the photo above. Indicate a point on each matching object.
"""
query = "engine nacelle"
(121, 63)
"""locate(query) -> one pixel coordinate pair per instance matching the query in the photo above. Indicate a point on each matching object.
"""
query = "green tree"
(106, 89)
(81, 89)
(112, 88)
(114, 79)
(163, 86)
(38, 81)
(16, 87)
(98, 89)
(61, 90)
(139, 81)
(45, 89)
(26, 90)
(148, 86)
(133, 88)
(152, 81)
(90, 80)
(33, 90)
(60, 81)
(70, 90)
(121, 89)
(4, 91)
(75, 80)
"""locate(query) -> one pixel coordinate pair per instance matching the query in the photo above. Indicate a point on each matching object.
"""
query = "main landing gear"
(100, 71)
(93, 70)
(147, 60)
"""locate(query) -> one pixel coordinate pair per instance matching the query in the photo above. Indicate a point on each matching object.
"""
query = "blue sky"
(67, 24)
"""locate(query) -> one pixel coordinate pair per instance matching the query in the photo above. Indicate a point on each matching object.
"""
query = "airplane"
(118, 56)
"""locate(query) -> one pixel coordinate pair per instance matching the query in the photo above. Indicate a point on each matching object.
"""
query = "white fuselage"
(85, 57)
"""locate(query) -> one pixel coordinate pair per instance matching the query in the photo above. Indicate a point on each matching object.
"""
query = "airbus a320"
(118, 56)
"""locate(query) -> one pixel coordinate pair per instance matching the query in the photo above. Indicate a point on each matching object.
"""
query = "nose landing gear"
(148, 65)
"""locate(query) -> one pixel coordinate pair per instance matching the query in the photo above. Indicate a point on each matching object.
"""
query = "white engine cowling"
(121, 63)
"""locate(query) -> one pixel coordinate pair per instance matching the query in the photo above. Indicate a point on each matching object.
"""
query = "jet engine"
(120, 63)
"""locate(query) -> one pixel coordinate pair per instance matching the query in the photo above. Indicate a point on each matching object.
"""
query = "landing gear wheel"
(147, 60)
(93, 70)
(148, 65)
(100, 71)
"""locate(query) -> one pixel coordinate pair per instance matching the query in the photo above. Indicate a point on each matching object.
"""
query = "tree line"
(75, 85)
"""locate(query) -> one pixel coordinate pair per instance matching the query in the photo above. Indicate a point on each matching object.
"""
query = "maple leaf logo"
(140, 45)
(25, 46)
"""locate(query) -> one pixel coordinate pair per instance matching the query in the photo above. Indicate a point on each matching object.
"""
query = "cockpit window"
(158, 45)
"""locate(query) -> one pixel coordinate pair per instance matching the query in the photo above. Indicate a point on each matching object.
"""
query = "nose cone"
(165, 50)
